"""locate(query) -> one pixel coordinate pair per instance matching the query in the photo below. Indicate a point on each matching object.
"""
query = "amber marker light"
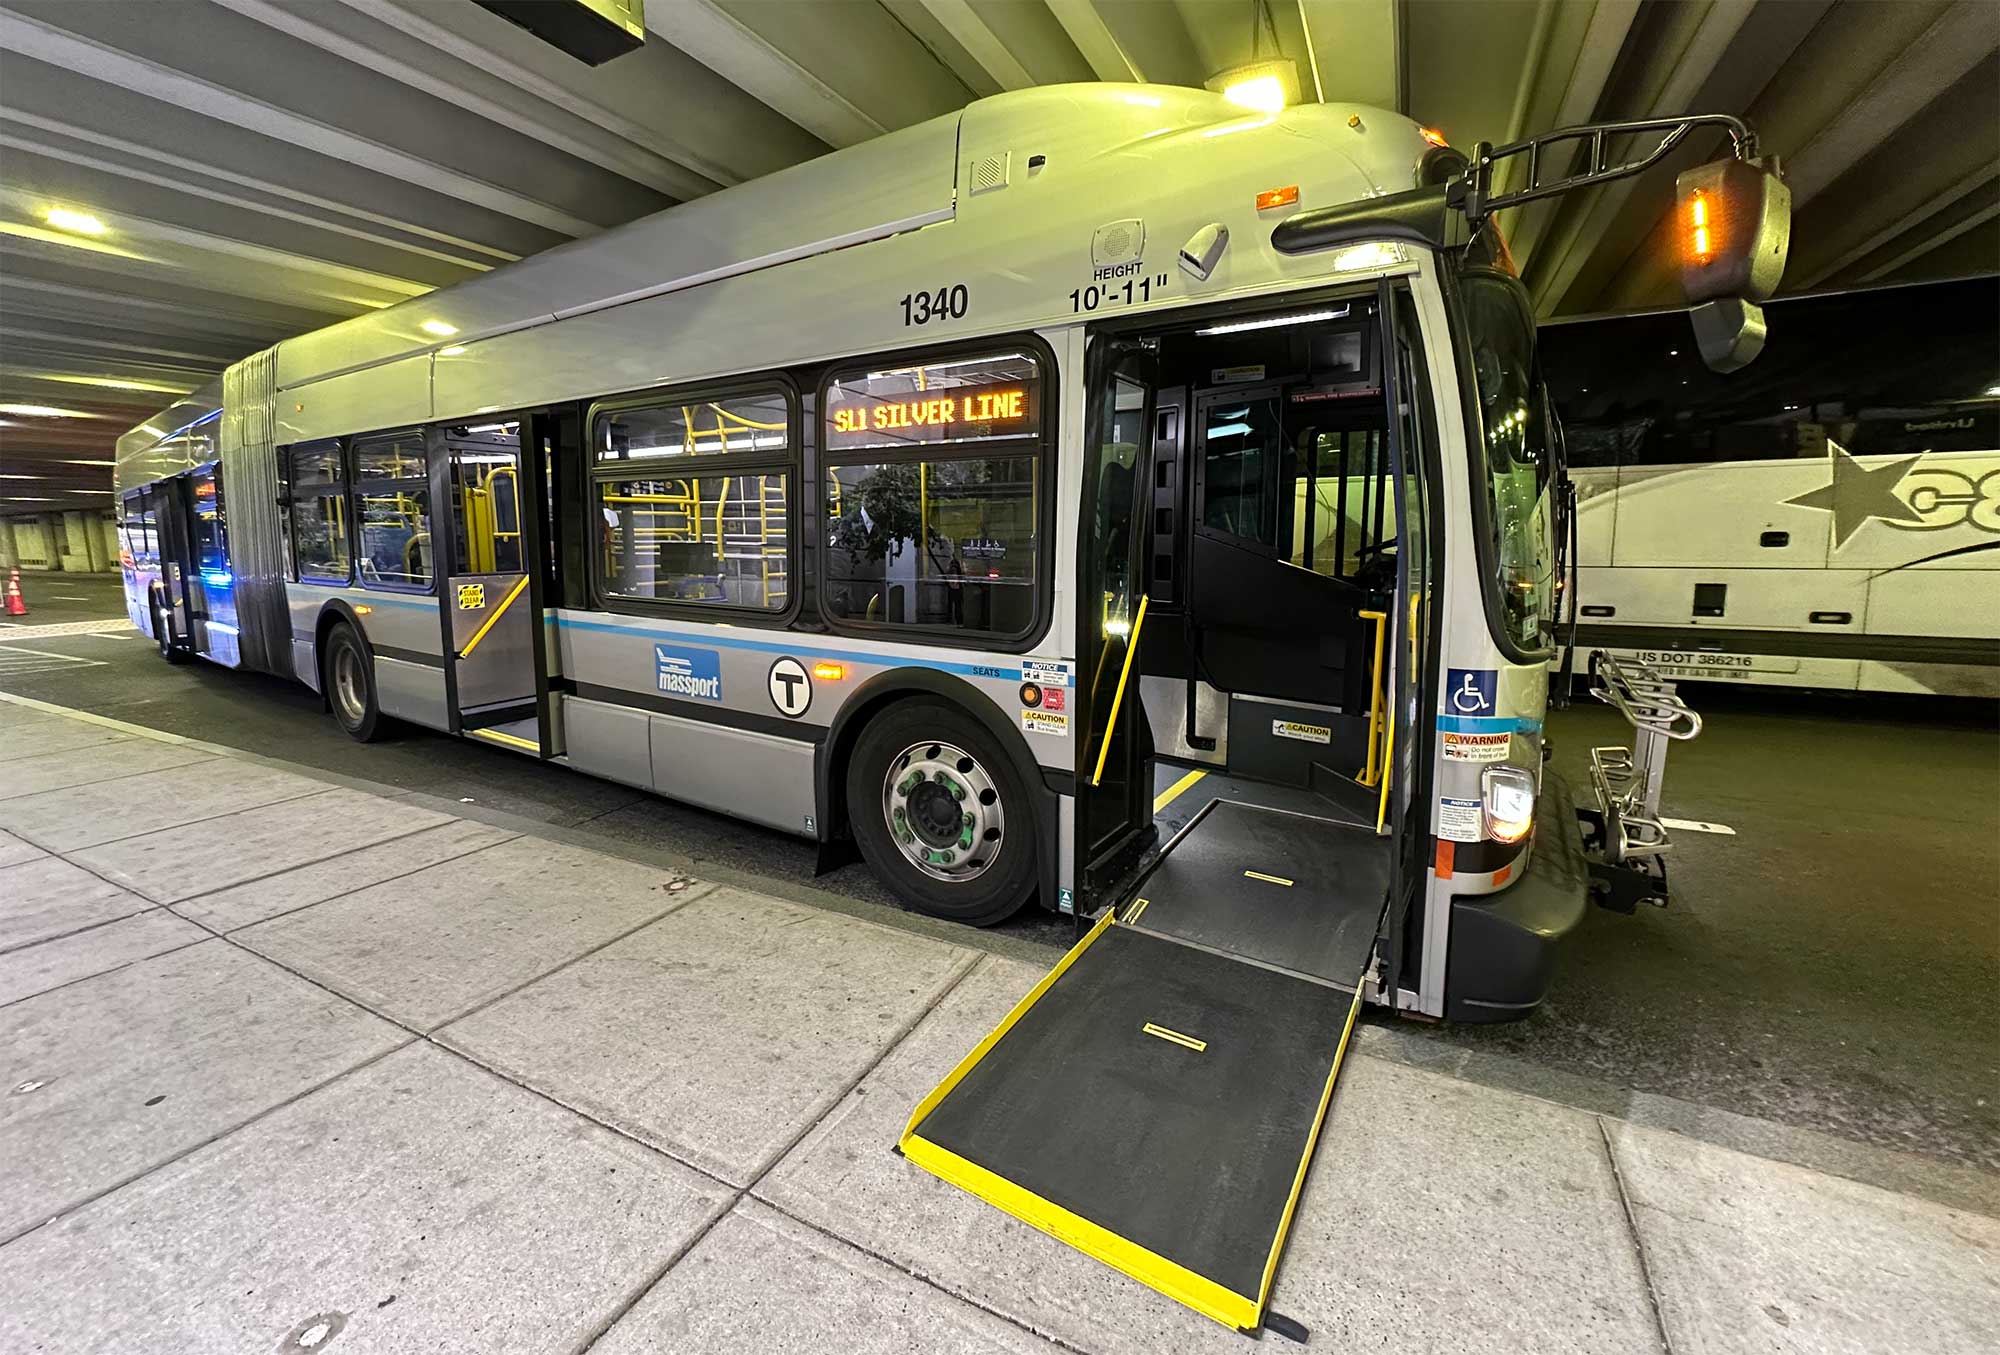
(1277, 197)
(1698, 220)
(829, 672)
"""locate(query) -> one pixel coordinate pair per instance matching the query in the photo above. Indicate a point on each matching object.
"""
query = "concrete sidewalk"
(291, 1065)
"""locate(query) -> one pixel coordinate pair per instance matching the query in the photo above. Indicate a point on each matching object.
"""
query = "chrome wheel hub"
(348, 686)
(943, 811)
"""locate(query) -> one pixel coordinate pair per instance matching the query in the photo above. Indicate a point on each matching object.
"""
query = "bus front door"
(1114, 818)
(491, 598)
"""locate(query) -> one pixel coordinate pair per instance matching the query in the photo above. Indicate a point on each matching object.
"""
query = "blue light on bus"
(216, 578)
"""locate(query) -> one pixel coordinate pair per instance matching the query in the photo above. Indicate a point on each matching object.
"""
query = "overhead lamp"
(439, 328)
(82, 223)
(46, 412)
(112, 383)
(1262, 86)
(1272, 322)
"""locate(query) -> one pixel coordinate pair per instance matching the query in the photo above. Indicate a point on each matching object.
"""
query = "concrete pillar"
(107, 538)
(35, 544)
(8, 560)
(79, 555)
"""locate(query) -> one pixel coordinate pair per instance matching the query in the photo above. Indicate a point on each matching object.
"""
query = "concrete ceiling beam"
(1084, 21)
(97, 61)
(724, 44)
(986, 48)
(1354, 52)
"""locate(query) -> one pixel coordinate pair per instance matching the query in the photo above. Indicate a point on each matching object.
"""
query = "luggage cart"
(1623, 837)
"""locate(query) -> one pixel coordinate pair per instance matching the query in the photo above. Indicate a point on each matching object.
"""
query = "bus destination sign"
(965, 411)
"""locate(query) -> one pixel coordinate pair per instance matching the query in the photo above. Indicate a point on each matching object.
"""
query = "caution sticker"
(1045, 722)
(471, 597)
(1292, 729)
(1461, 746)
(1459, 820)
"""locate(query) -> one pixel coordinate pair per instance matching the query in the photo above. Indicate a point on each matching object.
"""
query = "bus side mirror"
(1734, 220)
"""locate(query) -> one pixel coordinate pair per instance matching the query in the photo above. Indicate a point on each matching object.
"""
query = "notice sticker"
(1292, 729)
(1462, 747)
(1044, 673)
(1459, 820)
(471, 596)
(1045, 722)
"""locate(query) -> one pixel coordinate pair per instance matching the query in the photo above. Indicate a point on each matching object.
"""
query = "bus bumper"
(1502, 955)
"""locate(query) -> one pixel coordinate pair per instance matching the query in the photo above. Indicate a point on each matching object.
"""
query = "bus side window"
(933, 494)
(693, 501)
(319, 512)
(392, 498)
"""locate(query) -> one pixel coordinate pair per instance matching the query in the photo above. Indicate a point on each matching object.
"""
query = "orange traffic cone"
(16, 604)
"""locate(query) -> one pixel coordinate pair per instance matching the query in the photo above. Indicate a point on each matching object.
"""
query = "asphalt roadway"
(1833, 967)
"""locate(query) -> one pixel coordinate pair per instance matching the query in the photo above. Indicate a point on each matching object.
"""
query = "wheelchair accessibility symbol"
(1470, 691)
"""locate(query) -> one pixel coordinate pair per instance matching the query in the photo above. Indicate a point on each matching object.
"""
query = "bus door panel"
(1115, 799)
(490, 603)
(178, 577)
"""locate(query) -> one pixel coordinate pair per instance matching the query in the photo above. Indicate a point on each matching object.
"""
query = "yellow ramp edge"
(1184, 1286)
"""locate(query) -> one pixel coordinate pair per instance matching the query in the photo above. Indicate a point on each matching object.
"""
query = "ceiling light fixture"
(115, 383)
(81, 223)
(46, 412)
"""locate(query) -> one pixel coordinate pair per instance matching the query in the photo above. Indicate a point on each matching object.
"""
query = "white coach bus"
(880, 500)
(1828, 520)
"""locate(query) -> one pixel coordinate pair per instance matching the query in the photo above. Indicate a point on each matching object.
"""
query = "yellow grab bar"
(1118, 695)
(498, 612)
(1374, 698)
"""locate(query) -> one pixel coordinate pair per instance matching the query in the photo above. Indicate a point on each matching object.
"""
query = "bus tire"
(940, 814)
(163, 636)
(349, 681)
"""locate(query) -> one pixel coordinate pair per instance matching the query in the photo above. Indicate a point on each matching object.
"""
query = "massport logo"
(694, 673)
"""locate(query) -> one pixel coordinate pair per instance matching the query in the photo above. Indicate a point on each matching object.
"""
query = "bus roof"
(916, 177)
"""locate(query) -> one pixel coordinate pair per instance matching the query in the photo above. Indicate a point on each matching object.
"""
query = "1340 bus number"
(946, 303)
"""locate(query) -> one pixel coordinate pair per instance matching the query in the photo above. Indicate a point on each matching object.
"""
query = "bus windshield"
(1516, 446)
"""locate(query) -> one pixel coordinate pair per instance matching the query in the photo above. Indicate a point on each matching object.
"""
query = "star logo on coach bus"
(1858, 493)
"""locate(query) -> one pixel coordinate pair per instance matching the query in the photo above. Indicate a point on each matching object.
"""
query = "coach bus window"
(1514, 432)
(211, 531)
(319, 512)
(933, 483)
(694, 501)
(392, 499)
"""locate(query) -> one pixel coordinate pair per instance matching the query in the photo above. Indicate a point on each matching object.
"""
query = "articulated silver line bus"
(941, 499)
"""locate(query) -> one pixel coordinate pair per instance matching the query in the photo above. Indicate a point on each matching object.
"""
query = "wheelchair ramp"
(1154, 1104)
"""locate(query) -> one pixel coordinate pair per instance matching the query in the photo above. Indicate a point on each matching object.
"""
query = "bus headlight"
(1508, 797)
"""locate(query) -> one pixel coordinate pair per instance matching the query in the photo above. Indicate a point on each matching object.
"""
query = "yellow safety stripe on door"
(1268, 879)
(1175, 1037)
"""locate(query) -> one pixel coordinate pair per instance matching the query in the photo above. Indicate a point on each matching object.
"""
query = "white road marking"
(53, 629)
(1697, 826)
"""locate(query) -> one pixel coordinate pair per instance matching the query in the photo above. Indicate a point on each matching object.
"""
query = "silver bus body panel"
(753, 776)
(411, 691)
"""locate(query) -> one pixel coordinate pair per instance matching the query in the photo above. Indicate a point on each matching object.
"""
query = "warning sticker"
(1458, 820)
(1045, 674)
(1044, 722)
(1480, 747)
(471, 596)
(1292, 729)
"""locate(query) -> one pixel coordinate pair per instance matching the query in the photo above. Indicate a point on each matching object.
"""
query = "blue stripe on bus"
(989, 671)
(1488, 724)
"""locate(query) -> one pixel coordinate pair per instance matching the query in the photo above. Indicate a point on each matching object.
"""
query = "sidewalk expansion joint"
(334, 856)
(1638, 1242)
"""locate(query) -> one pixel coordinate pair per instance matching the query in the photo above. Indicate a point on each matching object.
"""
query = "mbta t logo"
(791, 687)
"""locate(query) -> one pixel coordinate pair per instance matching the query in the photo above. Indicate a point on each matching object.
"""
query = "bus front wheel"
(349, 680)
(940, 815)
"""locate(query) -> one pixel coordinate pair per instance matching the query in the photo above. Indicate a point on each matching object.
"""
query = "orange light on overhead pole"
(1698, 218)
